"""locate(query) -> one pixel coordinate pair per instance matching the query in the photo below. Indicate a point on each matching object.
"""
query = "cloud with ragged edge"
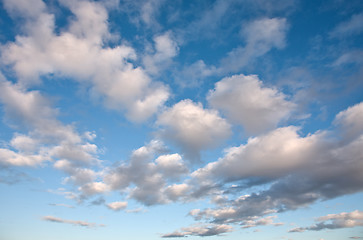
(273, 165)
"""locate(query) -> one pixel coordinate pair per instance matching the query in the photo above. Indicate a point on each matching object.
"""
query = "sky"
(155, 119)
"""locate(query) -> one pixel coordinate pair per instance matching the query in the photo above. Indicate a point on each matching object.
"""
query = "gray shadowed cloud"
(335, 221)
(300, 171)
(200, 230)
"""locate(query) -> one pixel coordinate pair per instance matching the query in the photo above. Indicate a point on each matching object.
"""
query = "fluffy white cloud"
(246, 101)
(9, 157)
(150, 178)
(79, 53)
(268, 156)
(307, 169)
(117, 206)
(192, 127)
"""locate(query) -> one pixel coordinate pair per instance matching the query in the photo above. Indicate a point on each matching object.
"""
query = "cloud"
(117, 206)
(348, 28)
(61, 205)
(73, 222)
(165, 49)
(253, 222)
(247, 102)
(192, 127)
(270, 156)
(200, 230)
(261, 36)
(295, 171)
(147, 180)
(30, 111)
(335, 221)
(348, 121)
(79, 52)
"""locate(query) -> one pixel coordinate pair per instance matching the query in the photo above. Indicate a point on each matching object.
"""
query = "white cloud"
(78, 52)
(26, 8)
(94, 188)
(261, 36)
(165, 49)
(268, 156)
(9, 157)
(350, 27)
(192, 127)
(246, 101)
(148, 180)
(117, 206)
(254, 222)
(297, 171)
(350, 121)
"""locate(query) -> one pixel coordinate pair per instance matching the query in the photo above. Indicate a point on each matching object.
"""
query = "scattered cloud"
(78, 52)
(350, 27)
(335, 221)
(200, 230)
(72, 222)
(193, 128)
(247, 102)
(261, 36)
(117, 206)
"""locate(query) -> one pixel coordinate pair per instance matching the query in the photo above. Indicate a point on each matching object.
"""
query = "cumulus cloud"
(350, 27)
(72, 222)
(335, 221)
(79, 52)
(117, 206)
(47, 137)
(271, 156)
(148, 179)
(200, 230)
(246, 101)
(193, 128)
(308, 169)
(349, 121)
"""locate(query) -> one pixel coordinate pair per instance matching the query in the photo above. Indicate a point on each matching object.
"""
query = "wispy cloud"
(72, 222)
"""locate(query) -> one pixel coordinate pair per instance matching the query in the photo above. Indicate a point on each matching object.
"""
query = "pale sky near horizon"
(150, 119)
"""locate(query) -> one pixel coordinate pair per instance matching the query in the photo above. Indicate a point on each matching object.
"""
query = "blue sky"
(152, 119)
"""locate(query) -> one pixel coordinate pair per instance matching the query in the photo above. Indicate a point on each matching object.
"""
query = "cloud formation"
(200, 230)
(80, 53)
(193, 128)
(334, 221)
(246, 101)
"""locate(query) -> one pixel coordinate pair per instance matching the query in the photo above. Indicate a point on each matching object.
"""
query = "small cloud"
(60, 205)
(73, 222)
(117, 206)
